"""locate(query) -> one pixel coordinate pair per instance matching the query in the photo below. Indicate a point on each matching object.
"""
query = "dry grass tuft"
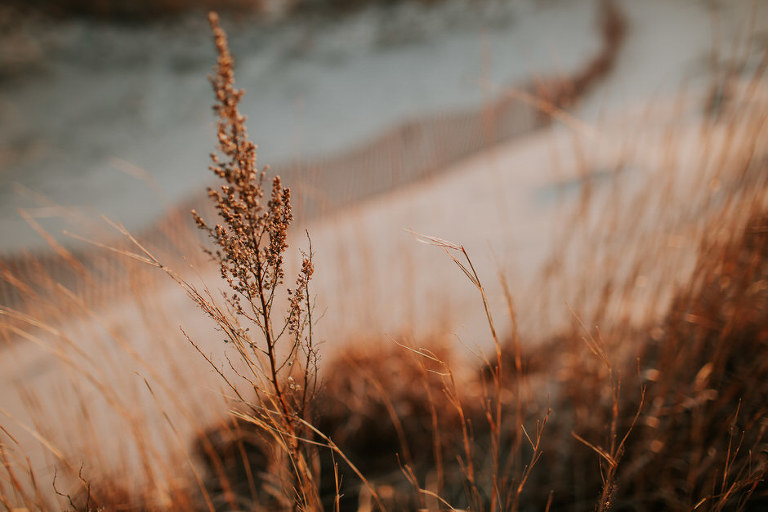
(697, 385)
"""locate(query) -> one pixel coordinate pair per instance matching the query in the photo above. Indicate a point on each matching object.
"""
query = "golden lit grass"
(645, 402)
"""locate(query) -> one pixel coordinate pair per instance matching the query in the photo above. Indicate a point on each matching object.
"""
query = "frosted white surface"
(90, 101)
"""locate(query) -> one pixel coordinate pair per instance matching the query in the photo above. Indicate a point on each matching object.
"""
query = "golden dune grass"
(645, 402)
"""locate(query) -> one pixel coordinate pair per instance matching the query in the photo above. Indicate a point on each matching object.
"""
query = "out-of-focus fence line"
(412, 151)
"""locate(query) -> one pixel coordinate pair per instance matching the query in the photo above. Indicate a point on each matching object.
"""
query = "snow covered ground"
(508, 205)
(117, 121)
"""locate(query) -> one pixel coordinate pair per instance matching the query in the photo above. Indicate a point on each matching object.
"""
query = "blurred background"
(104, 105)
(493, 123)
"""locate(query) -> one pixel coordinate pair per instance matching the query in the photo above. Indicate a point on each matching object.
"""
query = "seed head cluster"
(249, 246)
(250, 243)
(253, 236)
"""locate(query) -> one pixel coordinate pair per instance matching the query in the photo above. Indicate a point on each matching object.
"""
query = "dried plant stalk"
(249, 246)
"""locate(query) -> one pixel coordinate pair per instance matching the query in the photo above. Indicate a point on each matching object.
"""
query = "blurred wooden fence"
(413, 151)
